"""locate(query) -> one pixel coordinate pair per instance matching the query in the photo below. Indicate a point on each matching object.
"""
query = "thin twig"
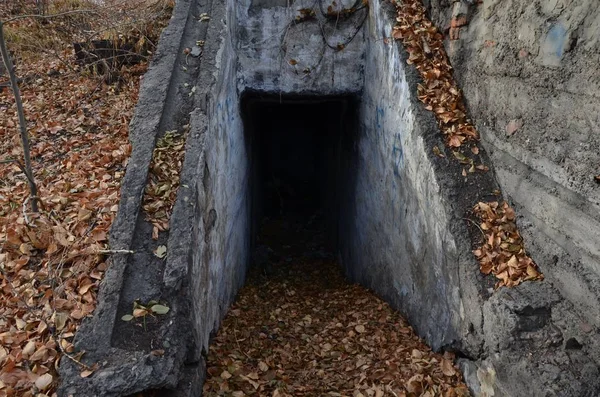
(63, 257)
(19, 296)
(22, 123)
(108, 252)
(121, 24)
(50, 16)
(68, 355)
(31, 310)
(238, 342)
(48, 51)
(474, 223)
(21, 167)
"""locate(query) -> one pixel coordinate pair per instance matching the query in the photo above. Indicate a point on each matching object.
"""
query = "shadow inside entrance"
(298, 328)
(297, 148)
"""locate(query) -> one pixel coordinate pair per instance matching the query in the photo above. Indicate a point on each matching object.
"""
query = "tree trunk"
(22, 123)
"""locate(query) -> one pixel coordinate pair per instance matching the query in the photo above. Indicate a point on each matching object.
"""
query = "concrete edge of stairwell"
(118, 371)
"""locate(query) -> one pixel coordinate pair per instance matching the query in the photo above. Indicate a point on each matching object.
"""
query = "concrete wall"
(398, 241)
(402, 209)
(406, 240)
(279, 53)
(125, 364)
(222, 230)
(529, 71)
(249, 52)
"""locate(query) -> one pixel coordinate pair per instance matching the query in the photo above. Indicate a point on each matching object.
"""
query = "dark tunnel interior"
(299, 151)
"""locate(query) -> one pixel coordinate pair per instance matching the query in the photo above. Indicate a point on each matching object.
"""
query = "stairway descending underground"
(298, 328)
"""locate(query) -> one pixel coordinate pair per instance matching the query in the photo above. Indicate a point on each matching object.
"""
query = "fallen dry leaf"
(163, 183)
(440, 94)
(43, 382)
(86, 373)
(438, 91)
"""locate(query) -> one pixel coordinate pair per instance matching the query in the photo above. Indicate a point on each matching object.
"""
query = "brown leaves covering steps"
(307, 332)
(51, 264)
(502, 252)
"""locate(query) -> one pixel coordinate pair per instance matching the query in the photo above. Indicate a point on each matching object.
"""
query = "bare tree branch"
(21, 167)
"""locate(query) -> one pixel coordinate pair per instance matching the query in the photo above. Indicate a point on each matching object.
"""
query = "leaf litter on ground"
(305, 331)
(163, 182)
(502, 253)
(51, 263)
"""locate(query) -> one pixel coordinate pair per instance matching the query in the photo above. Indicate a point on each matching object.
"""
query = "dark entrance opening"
(301, 152)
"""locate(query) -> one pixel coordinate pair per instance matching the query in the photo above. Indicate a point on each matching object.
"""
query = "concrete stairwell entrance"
(311, 161)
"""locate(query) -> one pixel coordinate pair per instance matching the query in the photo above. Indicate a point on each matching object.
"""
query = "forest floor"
(52, 262)
(299, 328)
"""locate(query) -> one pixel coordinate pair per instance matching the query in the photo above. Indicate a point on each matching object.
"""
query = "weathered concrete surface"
(123, 370)
(529, 72)
(222, 223)
(280, 52)
(399, 240)
(407, 241)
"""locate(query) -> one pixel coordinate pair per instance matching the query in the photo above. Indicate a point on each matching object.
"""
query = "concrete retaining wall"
(283, 50)
(529, 71)
(398, 239)
(222, 230)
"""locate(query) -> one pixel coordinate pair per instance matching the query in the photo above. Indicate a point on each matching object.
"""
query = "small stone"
(585, 327)
(196, 51)
(523, 53)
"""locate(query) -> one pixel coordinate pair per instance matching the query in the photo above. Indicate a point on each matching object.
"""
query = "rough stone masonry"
(529, 76)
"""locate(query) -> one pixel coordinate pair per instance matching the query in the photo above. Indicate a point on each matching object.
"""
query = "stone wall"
(406, 240)
(528, 70)
(222, 229)
(401, 207)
